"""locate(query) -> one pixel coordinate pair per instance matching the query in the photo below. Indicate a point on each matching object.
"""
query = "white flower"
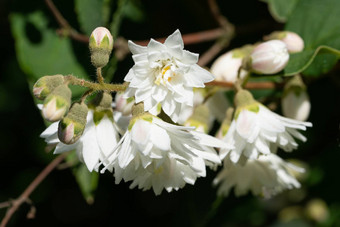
(164, 76)
(226, 67)
(97, 141)
(265, 176)
(257, 130)
(155, 154)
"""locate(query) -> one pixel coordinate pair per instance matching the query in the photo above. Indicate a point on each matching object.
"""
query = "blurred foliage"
(40, 50)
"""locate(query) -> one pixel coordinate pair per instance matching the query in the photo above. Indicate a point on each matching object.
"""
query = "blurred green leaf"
(87, 181)
(90, 14)
(130, 9)
(133, 11)
(317, 22)
(46, 53)
(281, 9)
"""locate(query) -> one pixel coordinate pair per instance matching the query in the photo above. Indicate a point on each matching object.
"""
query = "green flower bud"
(200, 119)
(101, 45)
(102, 106)
(45, 85)
(72, 126)
(57, 103)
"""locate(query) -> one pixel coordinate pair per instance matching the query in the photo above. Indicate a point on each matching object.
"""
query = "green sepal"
(99, 115)
(76, 116)
(254, 107)
(47, 84)
(146, 117)
(62, 94)
(295, 85)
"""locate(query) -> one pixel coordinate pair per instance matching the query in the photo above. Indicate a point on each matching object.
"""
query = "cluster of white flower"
(155, 135)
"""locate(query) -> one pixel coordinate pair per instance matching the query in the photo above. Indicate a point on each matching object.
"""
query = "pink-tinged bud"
(292, 40)
(100, 44)
(57, 103)
(51, 112)
(295, 100)
(124, 105)
(72, 126)
(45, 85)
(269, 57)
(225, 68)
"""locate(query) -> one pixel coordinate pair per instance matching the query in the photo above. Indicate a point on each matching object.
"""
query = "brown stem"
(249, 85)
(192, 38)
(25, 195)
(207, 56)
(216, 13)
(66, 28)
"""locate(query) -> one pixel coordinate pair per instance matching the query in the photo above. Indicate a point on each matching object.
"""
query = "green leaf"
(317, 22)
(312, 62)
(90, 14)
(87, 181)
(281, 9)
(133, 11)
(47, 55)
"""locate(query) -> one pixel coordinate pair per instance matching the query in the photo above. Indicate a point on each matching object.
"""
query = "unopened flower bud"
(57, 103)
(269, 57)
(101, 105)
(100, 44)
(200, 119)
(226, 67)
(72, 126)
(293, 41)
(45, 85)
(295, 100)
(124, 105)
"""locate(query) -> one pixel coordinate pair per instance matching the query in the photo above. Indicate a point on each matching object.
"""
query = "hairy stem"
(95, 86)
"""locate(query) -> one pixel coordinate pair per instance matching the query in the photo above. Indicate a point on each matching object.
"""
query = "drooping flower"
(155, 154)
(164, 76)
(295, 99)
(98, 140)
(256, 130)
(265, 176)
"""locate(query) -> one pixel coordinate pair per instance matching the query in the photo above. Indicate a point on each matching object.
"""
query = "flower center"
(164, 74)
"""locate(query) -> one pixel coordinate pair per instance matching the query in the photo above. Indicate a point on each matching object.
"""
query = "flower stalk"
(95, 86)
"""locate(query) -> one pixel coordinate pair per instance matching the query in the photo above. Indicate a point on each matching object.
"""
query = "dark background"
(58, 199)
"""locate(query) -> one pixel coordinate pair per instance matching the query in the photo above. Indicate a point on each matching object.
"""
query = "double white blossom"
(265, 176)
(164, 76)
(155, 154)
(257, 130)
(97, 141)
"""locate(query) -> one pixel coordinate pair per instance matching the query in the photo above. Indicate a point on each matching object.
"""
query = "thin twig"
(191, 38)
(215, 11)
(249, 85)
(66, 28)
(207, 56)
(224, 39)
(34, 184)
(5, 204)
